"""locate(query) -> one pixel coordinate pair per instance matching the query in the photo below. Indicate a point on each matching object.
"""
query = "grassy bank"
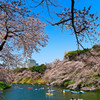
(4, 85)
(30, 80)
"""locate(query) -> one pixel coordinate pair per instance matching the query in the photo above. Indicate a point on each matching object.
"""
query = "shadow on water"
(21, 92)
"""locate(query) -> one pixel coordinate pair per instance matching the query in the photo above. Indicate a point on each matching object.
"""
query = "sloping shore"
(28, 77)
(76, 71)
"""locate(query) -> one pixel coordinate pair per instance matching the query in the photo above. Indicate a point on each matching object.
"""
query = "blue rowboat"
(66, 90)
(51, 91)
(75, 92)
(41, 88)
(82, 92)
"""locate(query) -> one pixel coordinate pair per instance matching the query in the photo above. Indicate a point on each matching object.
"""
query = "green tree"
(40, 69)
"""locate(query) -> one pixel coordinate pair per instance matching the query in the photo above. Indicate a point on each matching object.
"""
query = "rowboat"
(49, 94)
(66, 90)
(82, 92)
(30, 87)
(41, 88)
(75, 92)
(51, 90)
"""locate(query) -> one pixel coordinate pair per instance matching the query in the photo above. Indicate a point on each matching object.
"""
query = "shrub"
(77, 52)
(91, 84)
(18, 70)
(4, 86)
(68, 82)
(96, 46)
(40, 69)
(39, 81)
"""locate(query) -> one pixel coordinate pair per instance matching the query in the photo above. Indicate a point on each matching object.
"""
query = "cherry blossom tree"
(19, 30)
(9, 59)
(82, 23)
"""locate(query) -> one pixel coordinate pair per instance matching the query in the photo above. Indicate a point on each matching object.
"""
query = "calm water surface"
(23, 93)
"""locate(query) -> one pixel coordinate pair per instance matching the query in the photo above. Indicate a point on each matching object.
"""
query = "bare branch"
(40, 3)
(62, 22)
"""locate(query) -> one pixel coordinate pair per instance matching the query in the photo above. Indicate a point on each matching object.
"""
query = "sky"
(60, 40)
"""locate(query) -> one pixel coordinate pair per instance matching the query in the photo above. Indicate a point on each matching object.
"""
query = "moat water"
(22, 92)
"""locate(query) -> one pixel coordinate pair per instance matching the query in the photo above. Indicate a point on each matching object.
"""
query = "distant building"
(30, 63)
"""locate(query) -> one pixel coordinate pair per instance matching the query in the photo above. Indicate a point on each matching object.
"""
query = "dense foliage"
(20, 29)
(41, 68)
(96, 46)
(20, 69)
(68, 82)
(77, 52)
(4, 86)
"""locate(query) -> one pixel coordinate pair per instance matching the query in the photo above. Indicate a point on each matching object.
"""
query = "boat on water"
(82, 92)
(30, 87)
(75, 92)
(51, 91)
(41, 88)
(49, 94)
(66, 90)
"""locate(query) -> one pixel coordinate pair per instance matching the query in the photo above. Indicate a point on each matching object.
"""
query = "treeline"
(40, 69)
